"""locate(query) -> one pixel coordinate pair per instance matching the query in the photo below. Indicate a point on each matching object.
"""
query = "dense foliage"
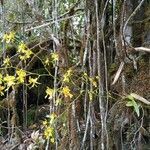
(74, 74)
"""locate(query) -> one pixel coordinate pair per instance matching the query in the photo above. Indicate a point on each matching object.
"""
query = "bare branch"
(142, 49)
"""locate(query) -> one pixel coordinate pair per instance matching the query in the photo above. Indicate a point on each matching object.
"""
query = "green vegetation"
(74, 74)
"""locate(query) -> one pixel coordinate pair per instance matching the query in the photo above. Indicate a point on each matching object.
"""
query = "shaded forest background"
(75, 74)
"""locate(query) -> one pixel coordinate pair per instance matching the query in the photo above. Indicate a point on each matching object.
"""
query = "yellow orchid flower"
(49, 93)
(49, 132)
(33, 82)
(47, 61)
(55, 56)
(52, 140)
(67, 75)
(22, 47)
(9, 37)
(6, 62)
(21, 75)
(66, 92)
(10, 80)
(26, 54)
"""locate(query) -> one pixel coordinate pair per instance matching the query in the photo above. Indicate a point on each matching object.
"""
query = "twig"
(49, 23)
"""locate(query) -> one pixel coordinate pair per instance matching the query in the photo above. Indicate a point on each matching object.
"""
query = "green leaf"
(129, 104)
(136, 108)
(132, 103)
(130, 97)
